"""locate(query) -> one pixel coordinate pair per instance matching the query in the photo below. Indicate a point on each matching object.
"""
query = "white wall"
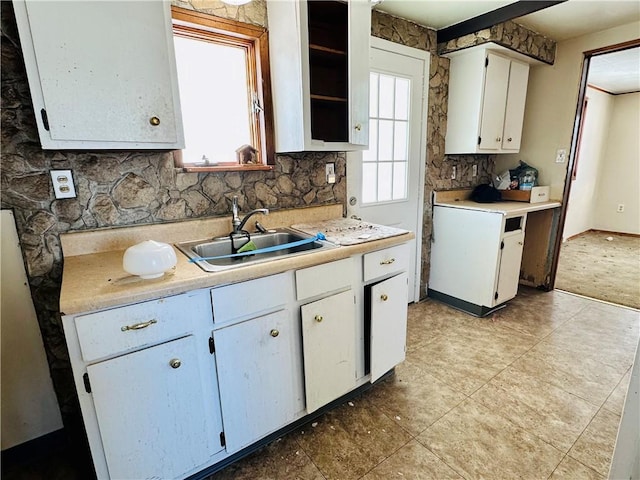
(619, 174)
(550, 110)
(581, 212)
(29, 405)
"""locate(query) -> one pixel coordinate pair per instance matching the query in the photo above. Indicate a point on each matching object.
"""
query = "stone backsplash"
(116, 189)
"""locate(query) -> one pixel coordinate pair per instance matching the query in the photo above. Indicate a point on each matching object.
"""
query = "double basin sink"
(212, 255)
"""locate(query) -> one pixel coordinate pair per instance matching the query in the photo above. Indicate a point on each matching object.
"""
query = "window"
(385, 163)
(224, 93)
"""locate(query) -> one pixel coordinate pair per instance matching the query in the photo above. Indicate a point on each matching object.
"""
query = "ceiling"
(615, 72)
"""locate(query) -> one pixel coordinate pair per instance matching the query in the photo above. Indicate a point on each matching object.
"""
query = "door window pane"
(385, 164)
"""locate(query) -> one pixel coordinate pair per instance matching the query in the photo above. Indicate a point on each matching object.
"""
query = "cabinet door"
(151, 411)
(328, 338)
(256, 374)
(359, 35)
(104, 73)
(516, 99)
(494, 102)
(509, 271)
(388, 324)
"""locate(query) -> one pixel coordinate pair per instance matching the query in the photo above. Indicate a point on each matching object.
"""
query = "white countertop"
(505, 208)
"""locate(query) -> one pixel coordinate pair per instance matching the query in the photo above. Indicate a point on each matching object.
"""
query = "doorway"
(385, 184)
(599, 249)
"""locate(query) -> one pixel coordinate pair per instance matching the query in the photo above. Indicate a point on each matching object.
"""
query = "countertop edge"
(506, 208)
(110, 287)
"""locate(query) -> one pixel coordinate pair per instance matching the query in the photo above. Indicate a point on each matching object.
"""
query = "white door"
(386, 182)
(329, 340)
(496, 82)
(388, 325)
(509, 270)
(151, 410)
(256, 377)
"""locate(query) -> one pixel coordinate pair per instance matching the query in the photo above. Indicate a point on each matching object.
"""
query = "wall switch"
(474, 170)
(453, 172)
(330, 170)
(63, 186)
(620, 208)
(561, 155)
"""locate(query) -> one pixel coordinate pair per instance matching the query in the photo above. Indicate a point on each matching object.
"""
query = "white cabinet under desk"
(476, 252)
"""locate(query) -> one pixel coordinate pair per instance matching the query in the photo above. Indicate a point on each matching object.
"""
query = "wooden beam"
(494, 17)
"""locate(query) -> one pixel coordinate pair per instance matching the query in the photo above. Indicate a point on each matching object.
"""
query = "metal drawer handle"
(318, 318)
(384, 297)
(274, 333)
(139, 326)
(387, 262)
(175, 363)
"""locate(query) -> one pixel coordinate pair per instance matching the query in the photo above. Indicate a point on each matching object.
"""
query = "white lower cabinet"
(256, 374)
(329, 348)
(150, 406)
(171, 386)
(388, 306)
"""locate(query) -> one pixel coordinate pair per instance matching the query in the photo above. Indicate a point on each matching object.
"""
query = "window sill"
(228, 168)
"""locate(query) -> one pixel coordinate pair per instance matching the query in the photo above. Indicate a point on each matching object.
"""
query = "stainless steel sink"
(219, 247)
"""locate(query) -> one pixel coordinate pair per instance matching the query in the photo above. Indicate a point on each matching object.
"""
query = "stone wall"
(116, 189)
(510, 35)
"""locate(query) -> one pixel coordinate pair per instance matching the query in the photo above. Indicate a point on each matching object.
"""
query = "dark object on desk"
(486, 193)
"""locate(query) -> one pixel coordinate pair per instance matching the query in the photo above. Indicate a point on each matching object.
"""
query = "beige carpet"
(595, 267)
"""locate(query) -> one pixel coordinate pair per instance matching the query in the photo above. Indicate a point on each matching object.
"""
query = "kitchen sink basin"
(219, 247)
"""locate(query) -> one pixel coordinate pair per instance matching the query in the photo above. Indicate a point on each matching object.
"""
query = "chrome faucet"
(237, 223)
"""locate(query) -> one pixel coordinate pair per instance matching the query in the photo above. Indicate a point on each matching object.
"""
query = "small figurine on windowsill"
(247, 155)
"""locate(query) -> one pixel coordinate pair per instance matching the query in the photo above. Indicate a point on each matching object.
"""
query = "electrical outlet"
(453, 172)
(561, 155)
(63, 186)
(330, 170)
(474, 170)
(620, 208)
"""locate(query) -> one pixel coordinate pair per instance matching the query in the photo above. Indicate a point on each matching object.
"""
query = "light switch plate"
(561, 155)
(63, 186)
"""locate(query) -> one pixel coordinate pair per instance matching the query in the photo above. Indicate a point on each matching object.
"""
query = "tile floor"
(535, 391)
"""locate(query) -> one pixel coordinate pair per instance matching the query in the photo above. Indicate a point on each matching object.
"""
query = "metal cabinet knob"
(274, 333)
(509, 139)
(175, 363)
(155, 121)
(498, 139)
(384, 298)
(318, 318)
(358, 127)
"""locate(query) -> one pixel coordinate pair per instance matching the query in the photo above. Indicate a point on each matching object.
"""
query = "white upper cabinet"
(102, 74)
(319, 55)
(487, 94)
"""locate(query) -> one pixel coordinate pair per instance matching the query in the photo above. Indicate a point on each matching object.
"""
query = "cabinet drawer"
(115, 331)
(325, 278)
(387, 261)
(251, 298)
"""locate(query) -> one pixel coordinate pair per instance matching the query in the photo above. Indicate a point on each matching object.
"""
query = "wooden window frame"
(255, 41)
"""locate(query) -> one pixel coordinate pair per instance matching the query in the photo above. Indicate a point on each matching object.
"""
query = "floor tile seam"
(444, 414)
(452, 467)
(301, 447)
(387, 457)
(598, 300)
(605, 476)
(582, 433)
(614, 389)
(520, 427)
(556, 467)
